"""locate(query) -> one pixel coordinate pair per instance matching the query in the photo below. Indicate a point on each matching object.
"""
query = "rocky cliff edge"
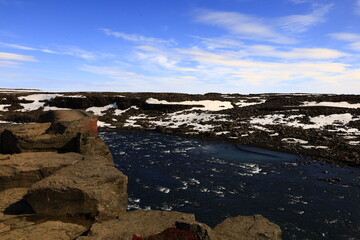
(58, 181)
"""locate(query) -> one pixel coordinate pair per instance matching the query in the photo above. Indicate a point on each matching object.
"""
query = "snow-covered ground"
(331, 104)
(37, 102)
(209, 105)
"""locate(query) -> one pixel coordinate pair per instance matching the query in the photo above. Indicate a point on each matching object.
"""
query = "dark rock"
(90, 188)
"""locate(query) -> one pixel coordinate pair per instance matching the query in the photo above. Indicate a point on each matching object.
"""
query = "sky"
(189, 46)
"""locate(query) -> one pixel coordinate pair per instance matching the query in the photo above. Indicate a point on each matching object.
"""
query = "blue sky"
(191, 46)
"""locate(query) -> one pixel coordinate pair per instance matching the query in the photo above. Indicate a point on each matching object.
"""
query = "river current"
(216, 180)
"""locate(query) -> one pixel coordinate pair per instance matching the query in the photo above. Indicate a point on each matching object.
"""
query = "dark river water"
(215, 181)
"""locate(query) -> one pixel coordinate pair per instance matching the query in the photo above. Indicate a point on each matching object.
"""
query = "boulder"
(49, 230)
(254, 227)
(140, 223)
(183, 231)
(24, 169)
(90, 188)
(35, 137)
(71, 120)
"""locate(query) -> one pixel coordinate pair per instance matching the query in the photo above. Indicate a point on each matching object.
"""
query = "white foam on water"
(163, 189)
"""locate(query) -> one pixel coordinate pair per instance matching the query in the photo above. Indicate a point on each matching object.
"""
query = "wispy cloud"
(302, 23)
(16, 57)
(352, 38)
(242, 25)
(300, 1)
(63, 50)
(134, 37)
(293, 53)
(357, 7)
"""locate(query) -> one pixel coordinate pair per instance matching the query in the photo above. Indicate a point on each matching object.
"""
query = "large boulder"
(90, 188)
(49, 230)
(254, 227)
(24, 169)
(35, 137)
(139, 223)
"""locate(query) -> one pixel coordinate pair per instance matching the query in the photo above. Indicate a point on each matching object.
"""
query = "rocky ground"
(324, 127)
(58, 181)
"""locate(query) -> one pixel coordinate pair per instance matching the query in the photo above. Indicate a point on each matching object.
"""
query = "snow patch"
(37, 102)
(209, 105)
(331, 104)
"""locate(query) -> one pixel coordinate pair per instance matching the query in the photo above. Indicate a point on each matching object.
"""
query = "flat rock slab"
(140, 222)
(92, 188)
(254, 227)
(36, 137)
(24, 169)
(12, 200)
(49, 230)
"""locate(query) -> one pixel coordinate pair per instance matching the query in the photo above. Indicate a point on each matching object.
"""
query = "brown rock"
(49, 230)
(92, 144)
(92, 188)
(34, 137)
(13, 209)
(140, 222)
(254, 227)
(24, 169)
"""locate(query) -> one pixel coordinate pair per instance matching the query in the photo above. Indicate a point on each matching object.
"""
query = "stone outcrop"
(24, 169)
(140, 223)
(48, 230)
(91, 188)
(58, 181)
(254, 227)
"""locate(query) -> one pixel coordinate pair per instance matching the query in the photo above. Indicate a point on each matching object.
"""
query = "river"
(217, 180)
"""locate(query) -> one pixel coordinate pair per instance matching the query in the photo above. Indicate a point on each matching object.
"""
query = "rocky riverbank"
(58, 181)
(324, 127)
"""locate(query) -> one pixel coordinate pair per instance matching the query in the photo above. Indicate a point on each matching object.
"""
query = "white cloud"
(301, 23)
(63, 50)
(134, 37)
(293, 53)
(299, 1)
(243, 26)
(16, 46)
(17, 57)
(352, 38)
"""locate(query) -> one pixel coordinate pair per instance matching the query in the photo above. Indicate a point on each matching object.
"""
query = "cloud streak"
(16, 57)
(352, 38)
(302, 23)
(134, 37)
(242, 26)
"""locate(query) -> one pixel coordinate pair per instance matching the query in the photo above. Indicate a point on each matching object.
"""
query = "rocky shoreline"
(319, 126)
(58, 181)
